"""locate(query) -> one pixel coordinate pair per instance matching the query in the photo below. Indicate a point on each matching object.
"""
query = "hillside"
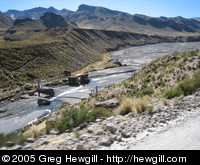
(85, 126)
(48, 53)
(161, 78)
(5, 22)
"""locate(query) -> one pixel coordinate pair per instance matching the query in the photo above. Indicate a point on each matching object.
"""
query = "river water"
(135, 58)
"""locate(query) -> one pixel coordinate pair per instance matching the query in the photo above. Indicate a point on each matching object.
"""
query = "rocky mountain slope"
(35, 13)
(5, 22)
(102, 18)
(48, 20)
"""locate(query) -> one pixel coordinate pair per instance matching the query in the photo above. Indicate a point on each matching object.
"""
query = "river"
(135, 58)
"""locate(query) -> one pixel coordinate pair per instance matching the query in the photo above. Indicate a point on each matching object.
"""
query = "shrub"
(74, 117)
(139, 105)
(131, 105)
(173, 93)
(186, 87)
(125, 107)
(18, 139)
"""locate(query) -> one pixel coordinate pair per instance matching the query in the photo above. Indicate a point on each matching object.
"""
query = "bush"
(139, 105)
(131, 105)
(74, 117)
(18, 139)
(187, 87)
(173, 93)
(125, 107)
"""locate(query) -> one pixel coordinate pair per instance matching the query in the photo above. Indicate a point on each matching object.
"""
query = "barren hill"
(5, 22)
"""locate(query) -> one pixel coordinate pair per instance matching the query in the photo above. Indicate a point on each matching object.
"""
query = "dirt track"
(185, 136)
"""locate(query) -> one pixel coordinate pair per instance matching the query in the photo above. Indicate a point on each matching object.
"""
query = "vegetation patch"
(185, 88)
(17, 139)
(73, 117)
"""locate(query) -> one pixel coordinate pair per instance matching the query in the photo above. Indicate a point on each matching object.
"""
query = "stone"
(84, 137)
(43, 141)
(27, 147)
(111, 128)
(24, 97)
(119, 138)
(125, 134)
(105, 142)
(53, 132)
(31, 93)
(30, 140)
(100, 132)
(17, 147)
(83, 125)
(43, 102)
(108, 104)
(67, 73)
(79, 147)
(2, 110)
(98, 120)
(28, 87)
(10, 143)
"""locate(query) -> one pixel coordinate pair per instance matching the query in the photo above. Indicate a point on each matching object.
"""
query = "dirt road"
(184, 136)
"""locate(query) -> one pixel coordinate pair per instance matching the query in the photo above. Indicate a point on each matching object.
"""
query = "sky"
(155, 8)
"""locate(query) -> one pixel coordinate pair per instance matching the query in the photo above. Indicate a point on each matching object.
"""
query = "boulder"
(67, 73)
(111, 128)
(108, 104)
(28, 87)
(30, 140)
(2, 110)
(43, 102)
(105, 142)
(31, 93)
(10, 144)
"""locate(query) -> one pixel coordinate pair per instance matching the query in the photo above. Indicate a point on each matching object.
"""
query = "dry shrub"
(139, 105)
(125, 107)
(136, 106)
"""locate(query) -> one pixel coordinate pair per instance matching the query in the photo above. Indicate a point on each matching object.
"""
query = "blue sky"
(156, 8)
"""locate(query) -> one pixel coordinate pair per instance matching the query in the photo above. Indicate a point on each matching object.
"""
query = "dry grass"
(99, 65)
(139, 105)
(136, 106)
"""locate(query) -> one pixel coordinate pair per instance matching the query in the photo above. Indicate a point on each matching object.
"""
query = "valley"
(143, 71)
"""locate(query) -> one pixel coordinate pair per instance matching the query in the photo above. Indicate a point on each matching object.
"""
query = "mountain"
(51, 20)
(5, 22)
(197, 18)
(103, 18)
(48, 20)
(93, 17)
(35, 13)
